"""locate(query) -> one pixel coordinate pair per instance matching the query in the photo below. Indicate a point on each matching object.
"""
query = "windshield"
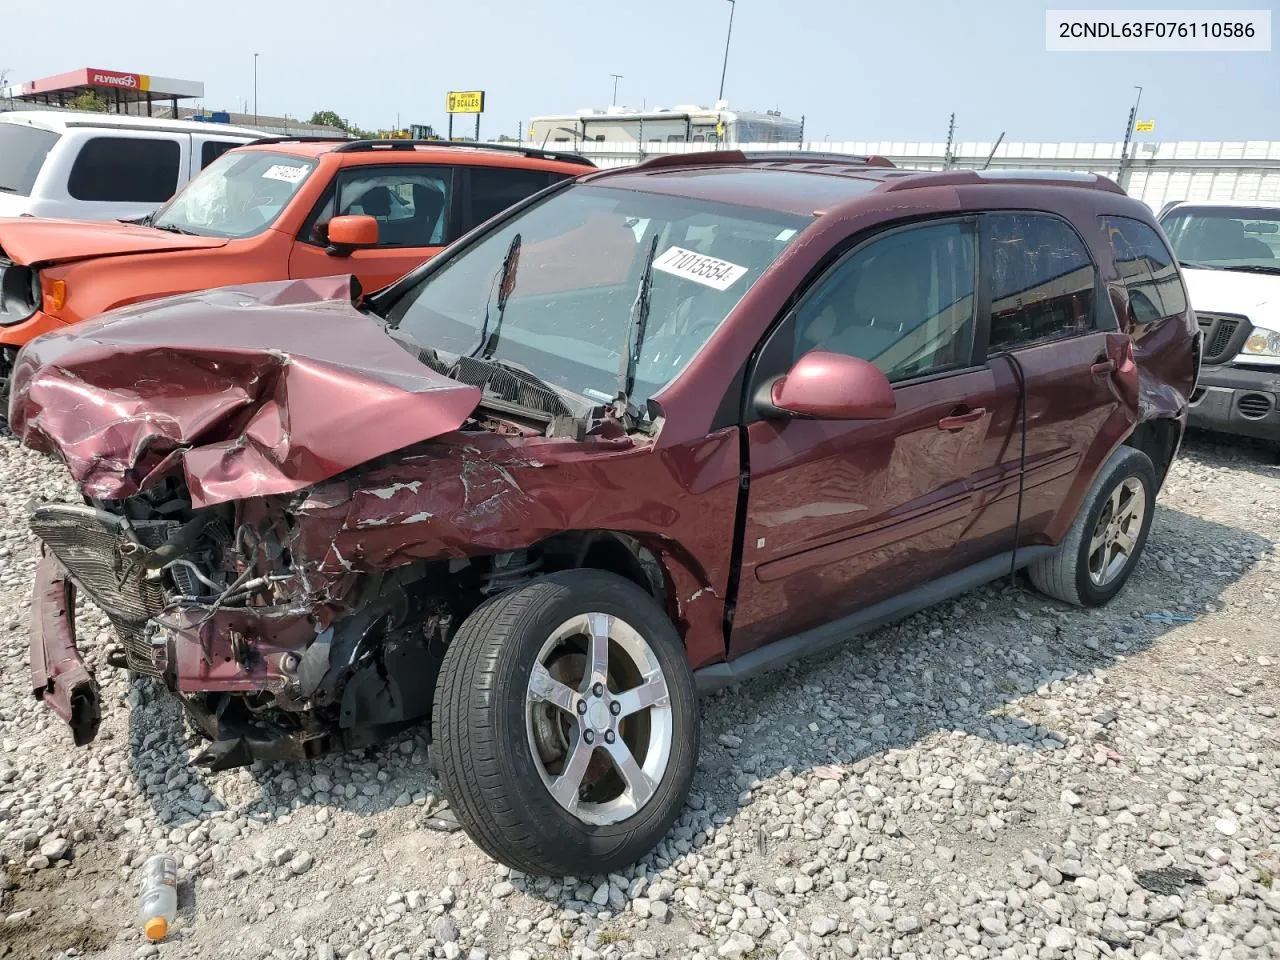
(1225, 237)
(22, 152)
(238, 195)
(559, 299)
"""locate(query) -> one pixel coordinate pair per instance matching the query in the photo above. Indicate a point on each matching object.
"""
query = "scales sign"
(464, 101)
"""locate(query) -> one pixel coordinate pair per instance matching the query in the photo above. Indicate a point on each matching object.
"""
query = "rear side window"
(1042, 280)
(22, 153)
(1147, 269)
(125, 170)
(211, 150)
(493, 189)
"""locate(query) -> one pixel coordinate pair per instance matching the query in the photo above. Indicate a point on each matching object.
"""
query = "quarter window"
(1147, 269)
(125, 170)
(904, 302)
(1043, 284)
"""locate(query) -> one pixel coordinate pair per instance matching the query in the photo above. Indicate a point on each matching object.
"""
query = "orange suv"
(271, 210)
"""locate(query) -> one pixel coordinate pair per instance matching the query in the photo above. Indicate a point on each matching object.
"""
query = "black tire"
(1065, 575)
(481, 738)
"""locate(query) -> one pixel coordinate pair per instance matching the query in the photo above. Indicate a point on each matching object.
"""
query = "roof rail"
(330, 139)
(1048, 178)
(355, 146)
(849, 159)
(716, 157)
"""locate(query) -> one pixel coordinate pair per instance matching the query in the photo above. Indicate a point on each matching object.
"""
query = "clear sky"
(856, 70)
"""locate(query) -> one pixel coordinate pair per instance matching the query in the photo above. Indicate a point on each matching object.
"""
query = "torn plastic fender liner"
(255, 390)
(58, 674)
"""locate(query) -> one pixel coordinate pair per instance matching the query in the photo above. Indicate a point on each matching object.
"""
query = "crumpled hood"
(258, 389)
(32, 241)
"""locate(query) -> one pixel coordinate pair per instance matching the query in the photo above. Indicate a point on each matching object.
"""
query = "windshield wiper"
(1192, 265)
(635, 336)
(171, 228)
(1254, 268)
(4, 189)
(506, 283)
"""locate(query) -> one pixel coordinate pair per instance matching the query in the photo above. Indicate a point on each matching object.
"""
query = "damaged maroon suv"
(650, 432)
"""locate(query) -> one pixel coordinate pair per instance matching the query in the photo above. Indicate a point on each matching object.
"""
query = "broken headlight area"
(271, 659)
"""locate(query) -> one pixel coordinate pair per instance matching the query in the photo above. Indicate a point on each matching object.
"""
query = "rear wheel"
(1103, 545)
(565, 724)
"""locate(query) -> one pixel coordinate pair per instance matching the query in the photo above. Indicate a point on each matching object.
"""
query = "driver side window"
(904, 302)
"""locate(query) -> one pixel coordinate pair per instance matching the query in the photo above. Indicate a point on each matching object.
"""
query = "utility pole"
(255, 88)
(616, 78)
(951, 133)
(733, 5)
(1123, 177)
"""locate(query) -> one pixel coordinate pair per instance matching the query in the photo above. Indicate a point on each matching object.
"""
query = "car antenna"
(506, 283)
(635, 336)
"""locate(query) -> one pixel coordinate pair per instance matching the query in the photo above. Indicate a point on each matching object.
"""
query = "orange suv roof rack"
(355, 146)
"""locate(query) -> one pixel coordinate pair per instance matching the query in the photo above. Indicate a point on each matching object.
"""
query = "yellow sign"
(464, 101)
(1144, 126)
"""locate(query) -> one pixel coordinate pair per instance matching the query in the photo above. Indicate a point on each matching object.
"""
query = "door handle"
(958, 420)
(1102, 367)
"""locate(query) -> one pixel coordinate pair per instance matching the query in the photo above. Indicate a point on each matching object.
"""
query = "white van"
(99, 166)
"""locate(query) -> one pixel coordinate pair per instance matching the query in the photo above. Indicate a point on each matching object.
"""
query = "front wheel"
(1103, 545)
(565, 725)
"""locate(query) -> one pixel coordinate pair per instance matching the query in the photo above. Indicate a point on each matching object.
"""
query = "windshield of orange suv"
(558, 288)
(238, 195)
(1225, 238)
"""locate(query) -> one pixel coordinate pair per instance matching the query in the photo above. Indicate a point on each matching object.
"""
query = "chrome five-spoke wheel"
(565, 724)
(599, 718)
(1115, 536)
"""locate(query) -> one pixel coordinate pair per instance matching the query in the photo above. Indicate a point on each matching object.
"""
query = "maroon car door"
(841, 515)
(1048, 317)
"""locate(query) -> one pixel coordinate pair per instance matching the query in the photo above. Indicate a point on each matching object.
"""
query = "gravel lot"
(999, 777)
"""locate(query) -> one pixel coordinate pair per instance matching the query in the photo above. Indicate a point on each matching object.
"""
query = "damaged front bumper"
(245, 676)
(58, 674)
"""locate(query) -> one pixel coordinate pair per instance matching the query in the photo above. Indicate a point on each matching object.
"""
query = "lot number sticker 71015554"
(700, 268)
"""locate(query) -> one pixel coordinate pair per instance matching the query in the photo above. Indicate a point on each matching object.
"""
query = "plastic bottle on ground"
(158, 896)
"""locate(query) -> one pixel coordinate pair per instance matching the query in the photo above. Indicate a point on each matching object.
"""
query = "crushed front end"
(271, 662)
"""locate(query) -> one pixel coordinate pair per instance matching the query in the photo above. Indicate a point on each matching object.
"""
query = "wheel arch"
(1159, 439)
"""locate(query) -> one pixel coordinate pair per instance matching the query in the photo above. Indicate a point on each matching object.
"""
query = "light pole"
(255, 88)
(1123, 177)
(733, 5)
(616, 78)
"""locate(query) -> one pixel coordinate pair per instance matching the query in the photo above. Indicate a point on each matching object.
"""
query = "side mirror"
(829, 386)
(351, 233)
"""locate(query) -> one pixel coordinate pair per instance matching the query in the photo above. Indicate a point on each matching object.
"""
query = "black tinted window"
(125, 170)
(211, 150)
(1147, 269)
(22, 153)
(904, 302)
(493, 189)
(1042, 280)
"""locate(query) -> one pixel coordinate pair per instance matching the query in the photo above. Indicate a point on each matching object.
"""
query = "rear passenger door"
(1049, 320)
(414, 206)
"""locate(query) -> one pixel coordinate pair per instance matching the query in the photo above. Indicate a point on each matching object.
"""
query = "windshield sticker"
(700, 268)
(285, 172)
(786, 234)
